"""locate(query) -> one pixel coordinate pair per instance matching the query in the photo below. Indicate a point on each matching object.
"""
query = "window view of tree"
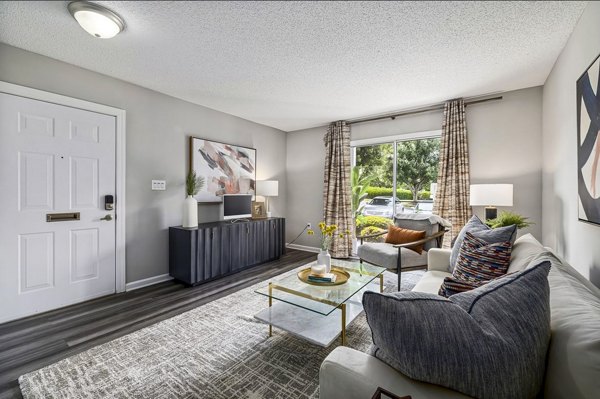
(373, 181)
(417, 164)
(376, 161)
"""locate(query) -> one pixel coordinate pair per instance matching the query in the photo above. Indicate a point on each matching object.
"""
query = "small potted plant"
(193, 184)
(508, 219)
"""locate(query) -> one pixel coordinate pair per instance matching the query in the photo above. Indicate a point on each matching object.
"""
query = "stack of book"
(322, 278)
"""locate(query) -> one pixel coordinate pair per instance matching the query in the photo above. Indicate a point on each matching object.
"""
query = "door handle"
(108, 218)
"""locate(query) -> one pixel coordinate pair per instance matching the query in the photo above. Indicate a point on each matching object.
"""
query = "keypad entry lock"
(109, 202)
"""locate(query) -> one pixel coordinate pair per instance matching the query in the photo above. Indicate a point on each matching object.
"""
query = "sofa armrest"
(349, 374)
(438, 259)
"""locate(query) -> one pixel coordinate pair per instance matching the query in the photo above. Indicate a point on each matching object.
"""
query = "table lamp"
(491, 196)
(267, 188)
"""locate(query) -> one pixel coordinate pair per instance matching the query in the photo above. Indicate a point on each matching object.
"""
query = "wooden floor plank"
(40, 340)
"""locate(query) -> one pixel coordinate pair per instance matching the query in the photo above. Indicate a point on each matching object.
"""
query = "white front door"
(57, 163)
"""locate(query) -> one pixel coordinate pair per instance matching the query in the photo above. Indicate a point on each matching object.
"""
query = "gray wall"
(157, 148)
(505, 147)
(576, 241)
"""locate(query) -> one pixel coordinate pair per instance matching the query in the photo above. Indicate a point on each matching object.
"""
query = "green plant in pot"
(193, 184)
(508, 219)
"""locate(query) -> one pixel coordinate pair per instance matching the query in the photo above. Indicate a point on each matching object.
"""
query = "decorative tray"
(341, 277)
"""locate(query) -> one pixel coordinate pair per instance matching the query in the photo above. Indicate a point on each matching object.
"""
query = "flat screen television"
(237, 206)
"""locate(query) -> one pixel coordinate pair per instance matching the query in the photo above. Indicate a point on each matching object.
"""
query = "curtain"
(337, 192)
(452, 195)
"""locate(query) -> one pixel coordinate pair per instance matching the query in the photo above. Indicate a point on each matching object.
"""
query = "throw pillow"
(479, 262)
(490, 342)
(483, 231)
(451, 286)
(398, 235)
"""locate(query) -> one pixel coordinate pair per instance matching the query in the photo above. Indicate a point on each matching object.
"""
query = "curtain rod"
(421, 110)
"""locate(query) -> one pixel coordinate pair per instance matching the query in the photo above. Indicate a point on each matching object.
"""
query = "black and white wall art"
(588, 143)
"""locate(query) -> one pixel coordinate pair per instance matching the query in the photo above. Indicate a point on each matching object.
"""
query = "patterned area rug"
(217, 350)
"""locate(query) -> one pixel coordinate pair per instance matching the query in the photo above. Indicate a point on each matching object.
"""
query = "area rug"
(217, 351)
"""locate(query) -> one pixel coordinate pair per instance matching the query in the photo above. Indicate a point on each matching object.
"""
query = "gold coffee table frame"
(341, 306)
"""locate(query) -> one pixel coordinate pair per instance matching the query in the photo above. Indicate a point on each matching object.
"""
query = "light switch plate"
(159, 185)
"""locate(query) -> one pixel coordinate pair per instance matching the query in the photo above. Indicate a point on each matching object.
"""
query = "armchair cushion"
(398, 235)
(431, 224)
(490, 342)
(385, 255)
(484, 232)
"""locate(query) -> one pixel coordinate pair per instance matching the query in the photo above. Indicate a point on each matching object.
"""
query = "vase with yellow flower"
(328, 232)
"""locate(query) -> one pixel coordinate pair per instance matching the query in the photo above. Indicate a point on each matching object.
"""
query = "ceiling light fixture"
(96, 20)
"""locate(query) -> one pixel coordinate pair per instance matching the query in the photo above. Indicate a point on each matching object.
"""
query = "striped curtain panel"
(337, 192)
(452, 195)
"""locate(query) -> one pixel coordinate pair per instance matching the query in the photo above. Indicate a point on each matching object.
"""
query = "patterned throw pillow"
(478, 262)
(452, 286)
(483, 231)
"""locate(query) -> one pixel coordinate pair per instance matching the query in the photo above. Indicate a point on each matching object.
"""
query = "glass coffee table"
(316, 313)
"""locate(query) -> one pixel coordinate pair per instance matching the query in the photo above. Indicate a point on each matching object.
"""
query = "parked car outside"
(382, 206)
(420, 207)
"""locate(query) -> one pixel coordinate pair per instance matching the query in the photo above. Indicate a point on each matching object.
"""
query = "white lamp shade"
(491, 195)
(267, 188)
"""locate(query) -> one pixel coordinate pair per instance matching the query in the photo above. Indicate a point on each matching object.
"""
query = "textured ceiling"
(293, 65)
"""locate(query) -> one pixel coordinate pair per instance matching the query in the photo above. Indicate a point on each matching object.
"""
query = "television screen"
(237, 206)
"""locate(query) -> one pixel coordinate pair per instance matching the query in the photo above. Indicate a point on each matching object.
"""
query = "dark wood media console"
(213, 250)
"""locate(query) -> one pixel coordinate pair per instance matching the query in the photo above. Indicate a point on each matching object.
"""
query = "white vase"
(323, 258)
(190, 212)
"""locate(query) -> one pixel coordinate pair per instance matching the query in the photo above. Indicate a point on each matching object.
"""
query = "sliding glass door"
(393, 177)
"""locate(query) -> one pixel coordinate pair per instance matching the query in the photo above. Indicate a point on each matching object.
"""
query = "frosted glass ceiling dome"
(96, 20)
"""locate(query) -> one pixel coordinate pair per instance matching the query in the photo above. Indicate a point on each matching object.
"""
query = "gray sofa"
(573, 360)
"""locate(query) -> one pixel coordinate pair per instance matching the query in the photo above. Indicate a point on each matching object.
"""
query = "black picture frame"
(226, 168)
(588, 143)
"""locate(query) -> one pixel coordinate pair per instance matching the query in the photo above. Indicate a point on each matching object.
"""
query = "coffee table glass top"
(323, 299)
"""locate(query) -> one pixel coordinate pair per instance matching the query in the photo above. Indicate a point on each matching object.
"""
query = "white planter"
(190, 212)
(323, 258)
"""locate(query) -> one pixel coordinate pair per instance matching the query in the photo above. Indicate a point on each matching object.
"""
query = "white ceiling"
(294, 65)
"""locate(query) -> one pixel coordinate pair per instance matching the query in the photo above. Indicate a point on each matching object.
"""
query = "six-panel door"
(54, 160)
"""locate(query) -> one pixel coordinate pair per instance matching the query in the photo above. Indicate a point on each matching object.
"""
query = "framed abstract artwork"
(588, 143)
(226, 169)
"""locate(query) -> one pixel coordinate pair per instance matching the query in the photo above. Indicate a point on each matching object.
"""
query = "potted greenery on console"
(508, 219)
(193, 184)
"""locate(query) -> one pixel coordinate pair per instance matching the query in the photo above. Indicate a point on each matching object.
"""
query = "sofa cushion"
(490, 342)
(349, 374)
(398, 235)
(385, 255)
(525, 249)
(573, 369)
(483, 231)
(431, 281)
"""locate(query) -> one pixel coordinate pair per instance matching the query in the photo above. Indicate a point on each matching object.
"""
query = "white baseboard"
(303, 248)
(134, 285)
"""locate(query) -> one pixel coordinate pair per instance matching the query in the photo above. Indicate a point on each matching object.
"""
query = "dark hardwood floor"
(37, 341)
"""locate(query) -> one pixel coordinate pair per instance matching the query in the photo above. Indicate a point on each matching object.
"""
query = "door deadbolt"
(109, 202)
